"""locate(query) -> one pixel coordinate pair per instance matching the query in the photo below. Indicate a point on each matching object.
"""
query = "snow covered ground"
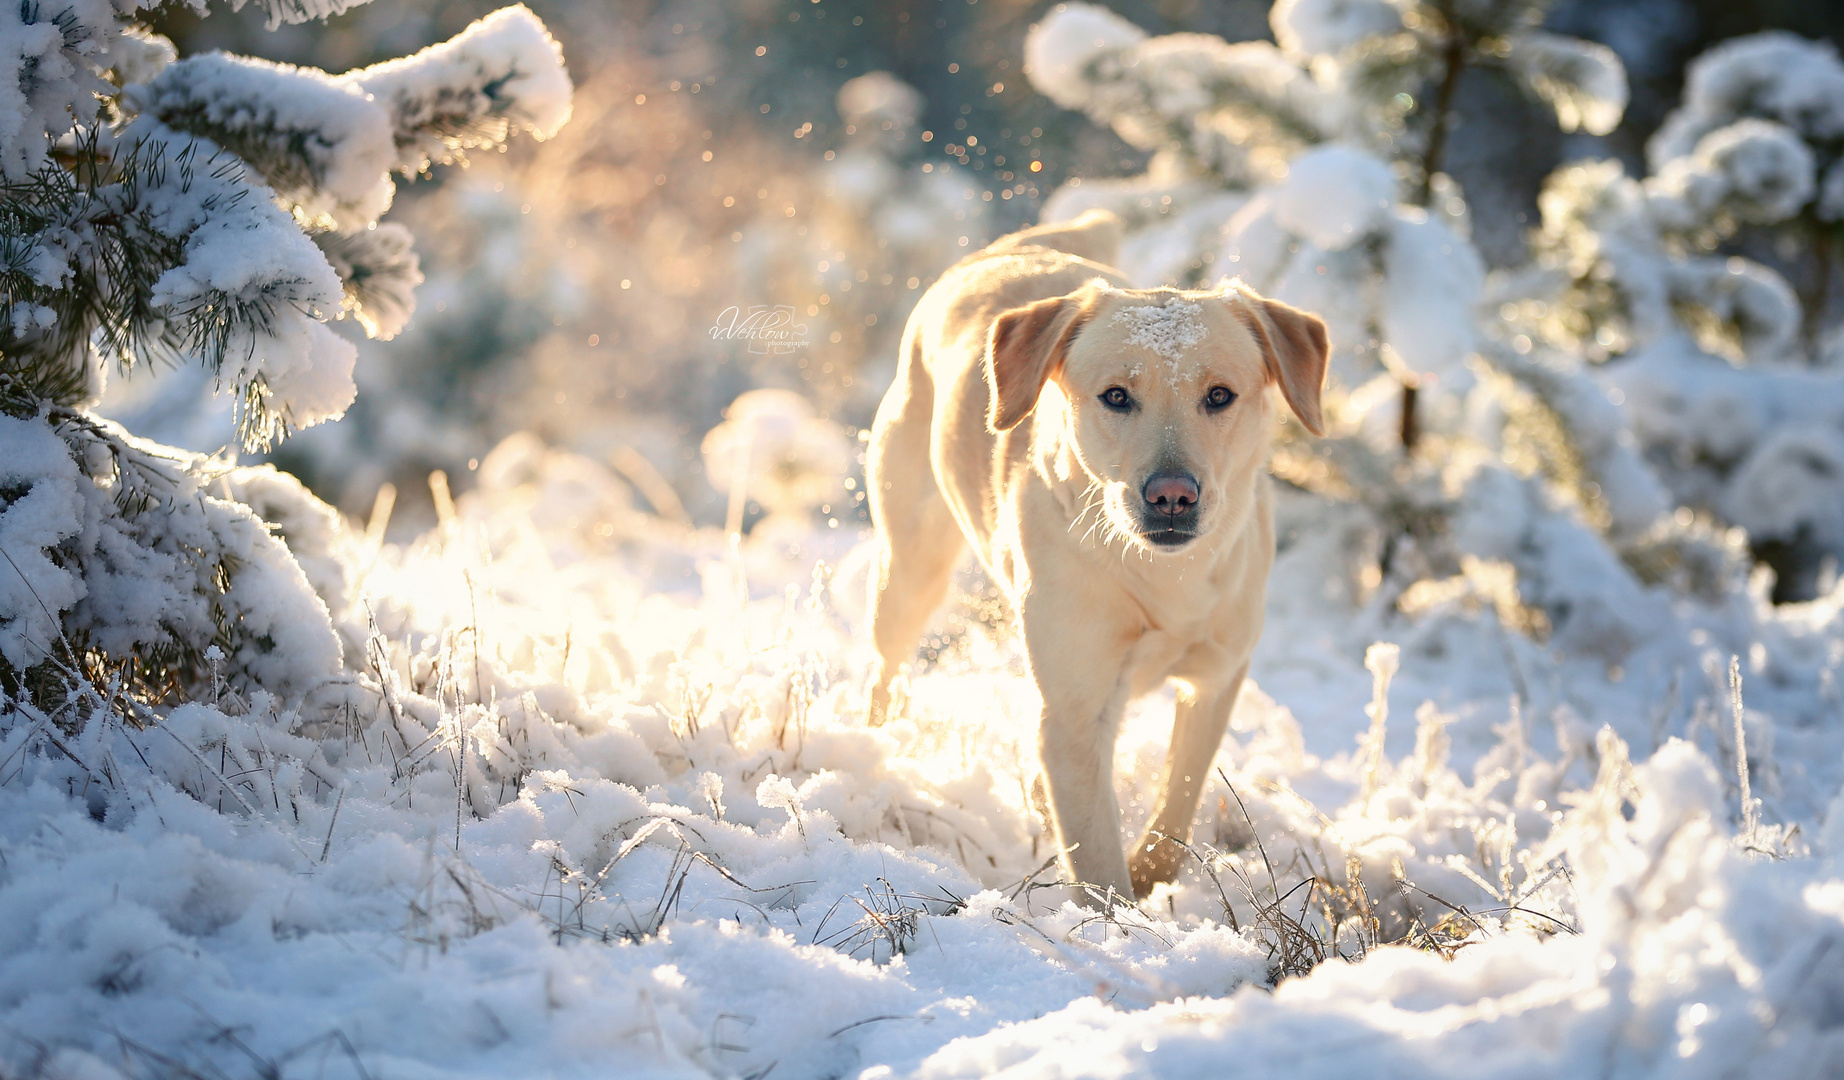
(1531, 780)
(599, 799)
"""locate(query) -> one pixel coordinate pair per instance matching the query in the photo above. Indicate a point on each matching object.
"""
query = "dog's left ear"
(1024, 349)
(1296, 348)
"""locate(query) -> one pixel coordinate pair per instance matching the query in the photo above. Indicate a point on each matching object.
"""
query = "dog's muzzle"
(1168, 509)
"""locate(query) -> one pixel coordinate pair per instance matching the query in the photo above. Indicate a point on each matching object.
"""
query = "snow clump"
(878, 97)
(1059, 48)
(277, 118)
(1329, 27)
(772, 447)
(1334, 196)
(1773, 75)
(504, 73)
(1758, 170)
(1583, 81)
(1432, 281)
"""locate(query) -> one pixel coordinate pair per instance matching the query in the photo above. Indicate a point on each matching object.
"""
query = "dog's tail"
(1095, 236)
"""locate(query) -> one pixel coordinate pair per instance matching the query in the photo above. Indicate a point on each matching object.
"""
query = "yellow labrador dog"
(1104, 451)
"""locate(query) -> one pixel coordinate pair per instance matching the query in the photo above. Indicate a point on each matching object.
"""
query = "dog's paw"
(1154, 861)
(889, 699)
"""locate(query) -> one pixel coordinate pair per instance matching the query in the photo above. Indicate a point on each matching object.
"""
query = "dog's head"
(1158, 394)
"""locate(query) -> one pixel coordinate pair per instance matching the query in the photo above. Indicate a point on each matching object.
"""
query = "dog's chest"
(1207, 618)
(1151, 659)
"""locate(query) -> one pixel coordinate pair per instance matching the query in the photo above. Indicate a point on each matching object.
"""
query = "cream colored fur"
(995, 433)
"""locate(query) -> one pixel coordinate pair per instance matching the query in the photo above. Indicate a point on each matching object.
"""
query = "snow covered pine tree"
(218, 210)
(1734, 377)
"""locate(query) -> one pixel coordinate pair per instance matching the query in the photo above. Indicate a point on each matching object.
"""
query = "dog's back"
(939, 420)
(931, 468)
(1094, 236)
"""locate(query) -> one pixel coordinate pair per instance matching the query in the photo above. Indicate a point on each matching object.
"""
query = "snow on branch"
(1633, 276)
(1334, 196)
(1329, 27)
(1755, 171)
(247, 289)
(1059, 50)
(318, 142)
(1213, 100)
(1582, 80)
(293, 12)
(138, 55)
(129, 558)
(169, 240)
(1432, 280)
(1628, 493)
(49, 55)
(54, 55)
(174, 251)
(503, 74)
(1736, 307)
(381, 272)
(1772, 76)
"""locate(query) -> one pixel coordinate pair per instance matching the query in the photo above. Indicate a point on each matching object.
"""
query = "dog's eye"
(1116, 398)
(1219, 398)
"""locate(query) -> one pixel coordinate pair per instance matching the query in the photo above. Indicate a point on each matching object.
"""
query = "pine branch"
(1583, 81)
(157, 247)
(502, 74)
(152, 530)
(50, 52)
(380, 271)
(317, 142)
(1211, 100)
(295, 12)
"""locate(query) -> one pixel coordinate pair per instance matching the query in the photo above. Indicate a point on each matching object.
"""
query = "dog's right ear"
(1024, 349)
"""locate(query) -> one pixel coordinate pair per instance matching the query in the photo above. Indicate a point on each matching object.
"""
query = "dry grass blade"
(571, 914)
(1120, 915)
(327, 848)
(1749, 811)
(1207, 866)
(878, 1019)
(1296, 942)
(1259, 846)
(886, 930)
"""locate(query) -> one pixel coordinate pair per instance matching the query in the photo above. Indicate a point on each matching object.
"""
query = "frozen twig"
(1382, 659)
(1750, 812)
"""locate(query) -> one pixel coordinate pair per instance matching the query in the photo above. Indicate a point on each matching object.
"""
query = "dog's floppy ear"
(1024, 349)
(1295, 346)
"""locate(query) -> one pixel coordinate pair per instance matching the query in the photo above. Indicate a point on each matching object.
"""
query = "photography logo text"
(769, 329)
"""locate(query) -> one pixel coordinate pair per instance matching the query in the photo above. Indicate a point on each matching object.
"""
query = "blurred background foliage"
(713, 163)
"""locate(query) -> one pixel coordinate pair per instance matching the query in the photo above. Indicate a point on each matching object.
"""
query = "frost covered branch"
(317, 142)
(502, 75)
(166, 247)
(160, 237)
(220, 210)
(381, 272)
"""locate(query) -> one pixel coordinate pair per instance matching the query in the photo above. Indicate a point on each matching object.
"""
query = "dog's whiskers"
(1086, 505)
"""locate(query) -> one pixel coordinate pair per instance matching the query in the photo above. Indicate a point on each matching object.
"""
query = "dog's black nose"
(1171, 494)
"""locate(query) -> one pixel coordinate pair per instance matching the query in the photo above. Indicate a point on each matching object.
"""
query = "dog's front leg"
(1079, 670)
(1197, 732)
